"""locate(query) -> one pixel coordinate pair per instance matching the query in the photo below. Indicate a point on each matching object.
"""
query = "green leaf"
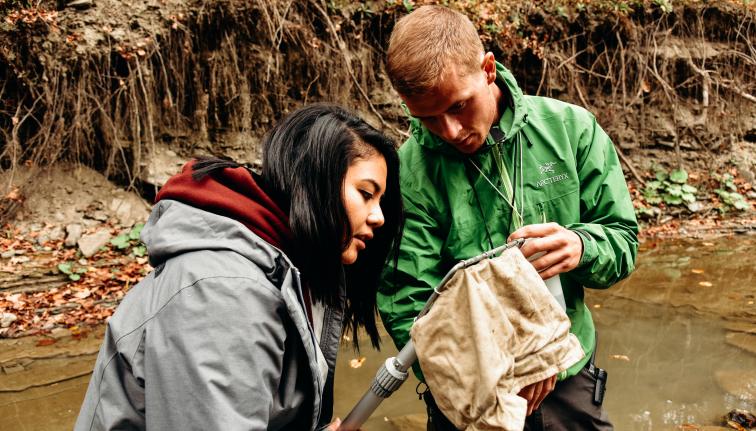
(139, 250)
(81, 270)
(74, 277)
(741, 205)
(661, 175)
(687, 197)
(679, 176)
(136, 230)
(653, 185)
(654, 200)
(65, 268)
(672, 199)
(121, 241)
(408, 5)
(687, 188)
(675, 190)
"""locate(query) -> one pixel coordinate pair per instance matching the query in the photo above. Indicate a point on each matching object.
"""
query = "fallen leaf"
(708, 244)
(597, 306)
(620, 357)
(83, 294)
(46, 342)
(697, 271)
(357, 362)
(705, 284)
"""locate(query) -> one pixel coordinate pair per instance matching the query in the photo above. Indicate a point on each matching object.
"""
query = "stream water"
(678, 339)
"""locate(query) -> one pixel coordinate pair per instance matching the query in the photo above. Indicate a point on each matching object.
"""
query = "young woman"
(255, 279)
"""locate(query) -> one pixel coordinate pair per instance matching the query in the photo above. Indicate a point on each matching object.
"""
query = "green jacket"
(564, 169)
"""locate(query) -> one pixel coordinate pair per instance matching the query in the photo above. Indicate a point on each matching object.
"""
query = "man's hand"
(563, 248)
(334, 426)
(535, 393)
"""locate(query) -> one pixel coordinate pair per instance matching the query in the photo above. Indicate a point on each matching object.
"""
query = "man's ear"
(489, 66)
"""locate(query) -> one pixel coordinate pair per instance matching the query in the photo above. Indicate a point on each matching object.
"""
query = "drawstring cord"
(511, 188)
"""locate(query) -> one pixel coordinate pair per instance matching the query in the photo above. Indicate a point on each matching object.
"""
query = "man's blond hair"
(425, 42)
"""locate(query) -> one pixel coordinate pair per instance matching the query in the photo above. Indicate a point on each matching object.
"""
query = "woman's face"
(364, 185)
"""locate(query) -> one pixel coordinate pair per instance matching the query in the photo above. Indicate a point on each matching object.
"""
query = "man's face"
(460, 109)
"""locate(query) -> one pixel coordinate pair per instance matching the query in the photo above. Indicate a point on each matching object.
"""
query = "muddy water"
(678, 340)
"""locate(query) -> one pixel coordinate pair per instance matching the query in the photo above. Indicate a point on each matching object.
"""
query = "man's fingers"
(527, 393)
(548, 387)
(334, 426)
(537, 396)
(534, 230)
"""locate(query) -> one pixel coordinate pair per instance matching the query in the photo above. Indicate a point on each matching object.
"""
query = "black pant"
(568, 408)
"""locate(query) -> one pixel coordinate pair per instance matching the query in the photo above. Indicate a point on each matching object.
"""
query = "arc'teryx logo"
(547, 168)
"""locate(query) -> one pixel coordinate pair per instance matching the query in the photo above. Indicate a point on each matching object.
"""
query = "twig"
(738, 91)
(629, 165)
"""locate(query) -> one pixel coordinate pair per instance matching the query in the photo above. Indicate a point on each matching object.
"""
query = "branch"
(629, 165)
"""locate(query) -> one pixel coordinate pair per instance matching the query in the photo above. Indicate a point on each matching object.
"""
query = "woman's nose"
(375, 217)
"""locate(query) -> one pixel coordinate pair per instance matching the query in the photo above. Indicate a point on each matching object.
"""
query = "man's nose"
(449, 128)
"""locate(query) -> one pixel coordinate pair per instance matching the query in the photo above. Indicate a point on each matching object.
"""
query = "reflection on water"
(672, 358)
(664, 366)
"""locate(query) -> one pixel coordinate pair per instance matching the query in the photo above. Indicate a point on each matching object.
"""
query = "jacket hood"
(508, 84)
(235, 193)
(225, 210)
(175, 228)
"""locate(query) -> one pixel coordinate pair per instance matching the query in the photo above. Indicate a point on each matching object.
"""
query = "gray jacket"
(215, 338)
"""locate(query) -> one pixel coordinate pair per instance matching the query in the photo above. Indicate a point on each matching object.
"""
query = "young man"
(484, 165)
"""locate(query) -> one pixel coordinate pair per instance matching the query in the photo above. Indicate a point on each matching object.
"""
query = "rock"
(8, 254)
(695, 206)
(129, 209)
(160, 164)
(742, 340)
(59, 216)
(57, 234)
(59, 333)
(43, 239)
(100, 216)
(6, 319)
(19, 259)
(74, 233)
(740, 384)
(747, 327)
(90, 244)
(80, 4)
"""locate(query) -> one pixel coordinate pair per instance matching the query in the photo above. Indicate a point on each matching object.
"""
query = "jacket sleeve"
(215, 360)
(607, 226)
(409, 279)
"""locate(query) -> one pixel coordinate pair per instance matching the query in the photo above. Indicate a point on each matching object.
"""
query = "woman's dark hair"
(305, 160)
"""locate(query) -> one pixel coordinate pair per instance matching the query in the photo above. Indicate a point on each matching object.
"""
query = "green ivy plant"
(728, 193)
(73, 273)
(130, 240)
(671, 188)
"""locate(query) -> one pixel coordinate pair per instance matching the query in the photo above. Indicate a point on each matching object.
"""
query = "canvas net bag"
(494, 329)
